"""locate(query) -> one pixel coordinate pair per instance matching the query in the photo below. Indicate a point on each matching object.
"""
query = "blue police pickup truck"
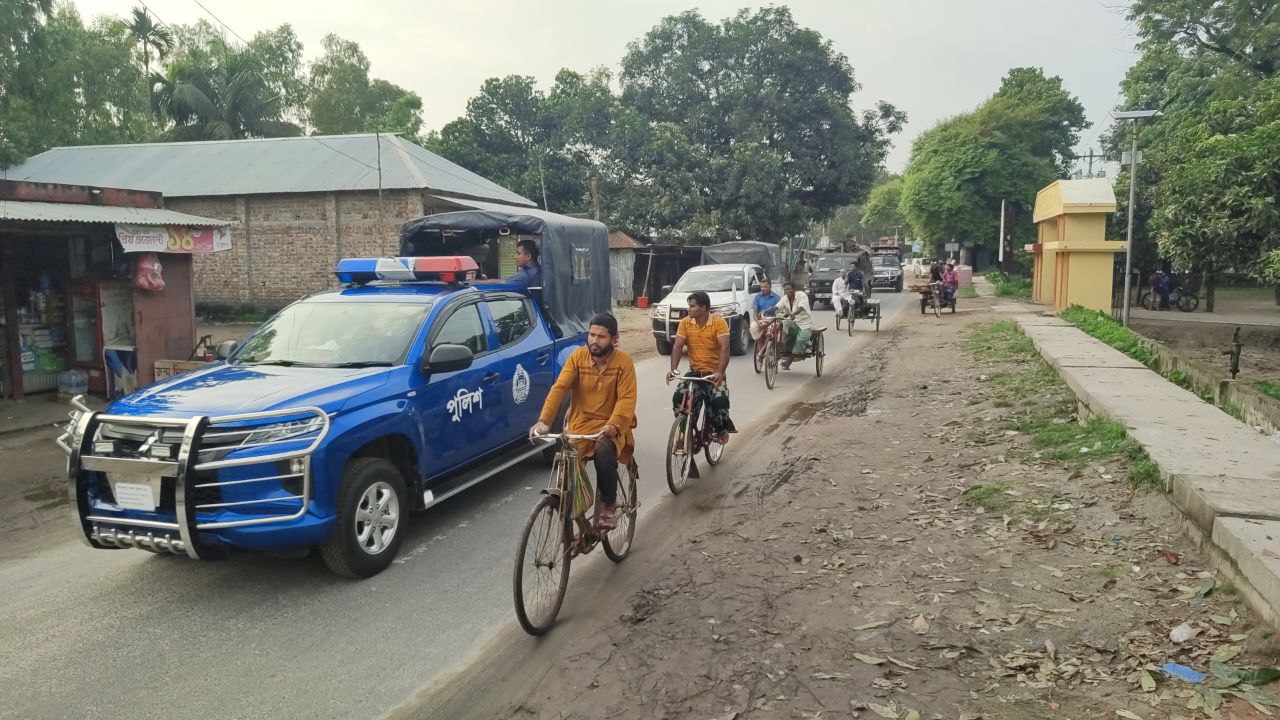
(347, 409)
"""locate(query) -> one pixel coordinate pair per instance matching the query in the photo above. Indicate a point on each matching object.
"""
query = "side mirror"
(666, 289)
(225, 349)
(448, 358)
(754, 288)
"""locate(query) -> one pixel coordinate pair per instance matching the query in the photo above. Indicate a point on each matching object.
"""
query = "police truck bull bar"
(199, 435)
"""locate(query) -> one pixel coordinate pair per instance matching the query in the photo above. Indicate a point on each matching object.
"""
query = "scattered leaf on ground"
(870, 660)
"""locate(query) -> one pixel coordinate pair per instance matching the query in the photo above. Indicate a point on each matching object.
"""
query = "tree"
(1215, 207)
(150, 35)
(881, 209)
(278, 55)
(525, 139)
(742, 129)
(1245, 33)
(1010, 146)
(212, 90)
(66, 84)
(344, 100)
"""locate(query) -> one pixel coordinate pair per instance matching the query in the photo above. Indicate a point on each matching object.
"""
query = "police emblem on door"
(520, 385)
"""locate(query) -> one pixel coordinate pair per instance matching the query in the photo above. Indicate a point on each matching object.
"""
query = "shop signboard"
(173, 239)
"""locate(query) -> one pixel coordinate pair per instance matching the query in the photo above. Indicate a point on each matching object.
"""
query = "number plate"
(822, 296)
(137, 495)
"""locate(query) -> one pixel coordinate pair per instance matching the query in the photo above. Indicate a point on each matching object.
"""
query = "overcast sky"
(931, 58)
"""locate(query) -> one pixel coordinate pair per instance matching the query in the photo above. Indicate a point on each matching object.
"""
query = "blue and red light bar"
(448, 269)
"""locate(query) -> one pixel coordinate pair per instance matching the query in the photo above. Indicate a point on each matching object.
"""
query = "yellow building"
(1073, 258)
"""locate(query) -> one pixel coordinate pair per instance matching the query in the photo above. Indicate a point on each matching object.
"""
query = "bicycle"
(935, 298)
(689, 436)
(541, 578)
(1178, 298)
(766, 357)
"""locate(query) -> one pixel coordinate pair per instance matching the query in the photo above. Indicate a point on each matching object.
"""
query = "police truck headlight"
(727, 310)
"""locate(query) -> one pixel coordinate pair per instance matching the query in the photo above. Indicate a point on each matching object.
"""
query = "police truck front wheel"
(739, 337)
(372, 508)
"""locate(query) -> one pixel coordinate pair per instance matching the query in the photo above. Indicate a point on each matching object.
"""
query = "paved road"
(127, 634)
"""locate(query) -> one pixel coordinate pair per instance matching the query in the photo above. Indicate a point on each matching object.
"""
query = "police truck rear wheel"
(371, 513)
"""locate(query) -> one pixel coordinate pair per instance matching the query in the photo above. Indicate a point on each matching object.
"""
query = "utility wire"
(219, 21)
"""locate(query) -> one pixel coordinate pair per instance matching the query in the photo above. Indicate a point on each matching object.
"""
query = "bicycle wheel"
(757, 354)
(838, 318)
(877, 319)
(542, 566)
(679, 453)
(937, 308)
(819, 352)
(849, 327)
(617, 542)
(771, 365)
(713, 450)
(1188, 303)
(1148, 301)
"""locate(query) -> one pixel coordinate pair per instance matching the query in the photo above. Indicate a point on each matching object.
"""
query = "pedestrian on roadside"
(1160, 288)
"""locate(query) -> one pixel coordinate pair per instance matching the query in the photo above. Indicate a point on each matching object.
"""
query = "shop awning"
(22, 210)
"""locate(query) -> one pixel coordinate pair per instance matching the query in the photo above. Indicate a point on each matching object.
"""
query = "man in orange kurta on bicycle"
(601, 381)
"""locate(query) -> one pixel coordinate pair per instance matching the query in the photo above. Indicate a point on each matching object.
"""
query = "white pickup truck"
(731, 288)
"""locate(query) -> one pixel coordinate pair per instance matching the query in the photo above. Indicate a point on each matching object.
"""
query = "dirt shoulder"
(933, 538)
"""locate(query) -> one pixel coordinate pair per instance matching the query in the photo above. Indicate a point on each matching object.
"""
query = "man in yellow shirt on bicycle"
(601, 382)
(707, 337)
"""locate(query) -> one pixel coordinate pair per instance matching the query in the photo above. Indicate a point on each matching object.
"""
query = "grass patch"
(989, 497)
(969, 292)
(1269, 388)
(1000, 341)
(1103, 327)
(1179, 378)
(1010, 286)
(1045, 411)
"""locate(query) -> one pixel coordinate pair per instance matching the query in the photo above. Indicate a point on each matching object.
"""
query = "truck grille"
(252, 465)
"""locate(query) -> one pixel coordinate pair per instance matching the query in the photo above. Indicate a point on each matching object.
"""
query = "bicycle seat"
(818, 331)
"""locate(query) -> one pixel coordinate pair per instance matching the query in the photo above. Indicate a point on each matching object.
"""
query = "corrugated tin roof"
(532, 212)
(68, 212)
(619, 240)
(265, 166)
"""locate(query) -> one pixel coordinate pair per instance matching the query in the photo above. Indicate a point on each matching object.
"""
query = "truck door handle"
(491, 377)
(542, 358)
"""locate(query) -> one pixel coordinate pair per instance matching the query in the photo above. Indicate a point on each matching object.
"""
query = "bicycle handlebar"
(690, 377)
(567, 437)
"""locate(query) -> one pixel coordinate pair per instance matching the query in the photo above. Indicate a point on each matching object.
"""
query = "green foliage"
(745, 127)
(62, 83)
(1031, 383)
(1010, 286)
(523, 139)
(1243, 32)
(1103, 327)
(1269, 388)
(213, 90)
(969, 292)
(880, 211)
(343, 99)
(1010, 146)
(1215, 207)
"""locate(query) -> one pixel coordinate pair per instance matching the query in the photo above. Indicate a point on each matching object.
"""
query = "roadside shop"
(96, 287)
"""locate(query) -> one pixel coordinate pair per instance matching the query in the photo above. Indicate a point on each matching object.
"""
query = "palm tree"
(151, 35)
(218, 93)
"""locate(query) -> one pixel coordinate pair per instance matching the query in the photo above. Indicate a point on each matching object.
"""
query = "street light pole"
(1136, 116)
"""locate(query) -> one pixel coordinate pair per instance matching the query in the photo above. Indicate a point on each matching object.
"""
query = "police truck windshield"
(327, 334)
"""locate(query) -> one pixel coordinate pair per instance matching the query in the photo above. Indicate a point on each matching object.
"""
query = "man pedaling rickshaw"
(798, 329)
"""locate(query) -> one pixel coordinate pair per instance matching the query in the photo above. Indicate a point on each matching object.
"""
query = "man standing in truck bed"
(601, 382)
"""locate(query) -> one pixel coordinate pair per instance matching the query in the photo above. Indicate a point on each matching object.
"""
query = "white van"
(731, 288)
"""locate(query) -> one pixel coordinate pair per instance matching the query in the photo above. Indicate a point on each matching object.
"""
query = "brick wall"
(285, 246)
